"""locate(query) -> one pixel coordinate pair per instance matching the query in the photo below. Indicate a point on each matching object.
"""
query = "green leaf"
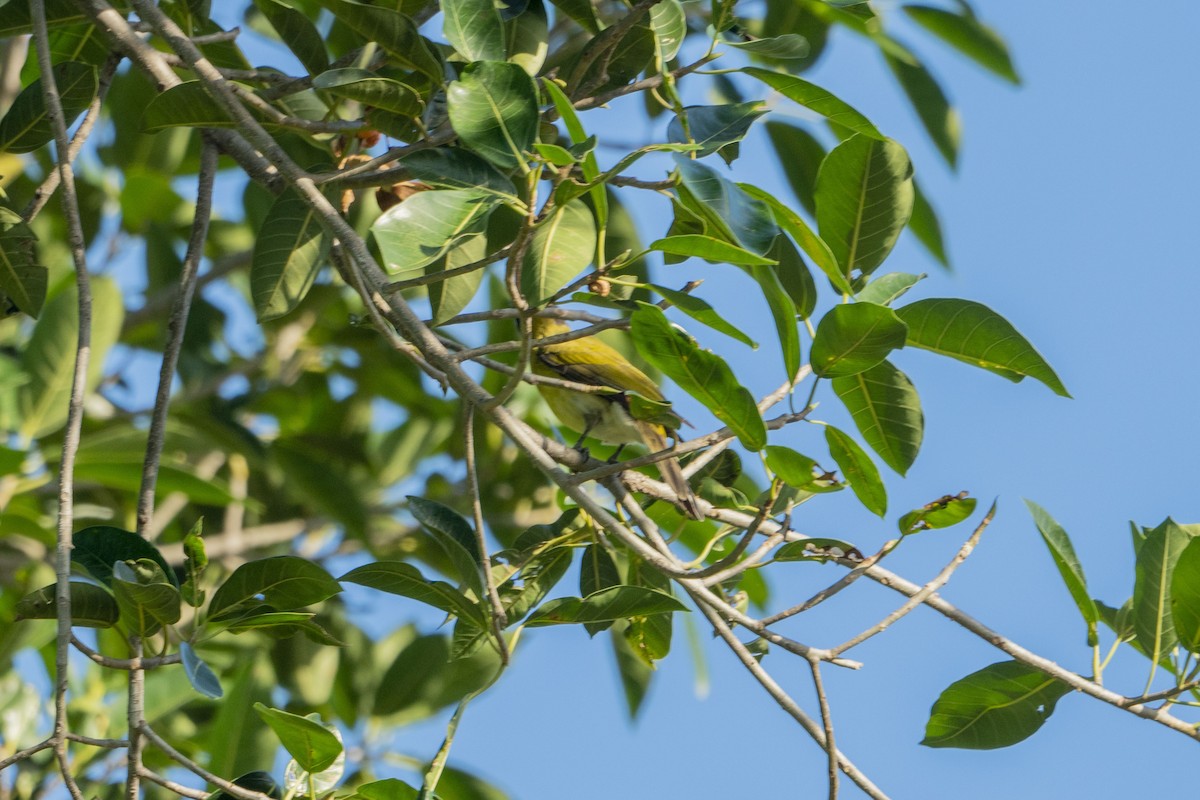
(925, 226)
(694, 245)
(493, 108)
(817, 549)
(864, 197)
(788, 47)
(940, 119)
(187, 104)
(199, 674)
(91, 606)
(997, 706)
(783, 313)
(1068, 564)
(528, 37)
(1119, 620)
(147, 601)
(582, 12)
(854, 337)
(455, 536)
(396, 577)
(738, 217)
(285, 583)
(289, 252)
(669, 24)
(858, 470)
(298, 33)
(794, 469)
(560, 248)
(809, 241)
(714, 127)
(427, 225)
(1185, 596)
(449, 296)
(425, 677)
(817, 99)
(458, 169)
(49, 356)
(393, 31)
(794, 276)
(635, 673)
(702, 312)
(800, 155)
(371, 90)
(257, 781)
(887, 412)
(884, 289)
(972, 332)
(700, 373)
(473, 29)
(941, 513)
(98, 547)
(26, 125)
(314, 747)
(597, 571)
(1156, 559)
(965, 33)
(613, 603)
(386, 789)
(22, 280)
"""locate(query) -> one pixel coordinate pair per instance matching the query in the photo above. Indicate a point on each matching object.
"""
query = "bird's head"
(545, 326)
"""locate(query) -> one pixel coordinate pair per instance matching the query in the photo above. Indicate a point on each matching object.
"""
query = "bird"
(606, 417)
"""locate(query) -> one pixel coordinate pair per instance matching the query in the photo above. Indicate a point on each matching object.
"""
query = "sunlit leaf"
(493, 108)
(887, 412)
(997, 706)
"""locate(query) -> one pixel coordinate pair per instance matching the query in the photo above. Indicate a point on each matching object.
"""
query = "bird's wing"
(597, 369)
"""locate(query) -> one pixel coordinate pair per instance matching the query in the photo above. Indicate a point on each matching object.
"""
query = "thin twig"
(176, 325)
(928, 589)
(91, 741)
(835, 587)
(177, 788)
(787, 703)
(123, 663)
(1165, 694)
(827, 723)
(191, 766)
(446, 274)
(499, 617)
(71, 437)
(135, 714)
(27, 752)
(438, 765)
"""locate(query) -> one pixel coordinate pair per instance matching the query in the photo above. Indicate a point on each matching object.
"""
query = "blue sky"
(1067, 215)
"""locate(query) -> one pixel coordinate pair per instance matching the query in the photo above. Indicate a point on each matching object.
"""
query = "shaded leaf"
(91, 606)
(702, 312)
(714, 127)
(729, 211)
(694, 245)
(887, 288)
(800, 155)
(925, 226)
(371, 90)
(458, 169)
(393, 31)
(26, 125)
(809, 241)
(98, 547)
(284, 582)
(560, 248)
(396, 577)
(937, 115)
(298, 33)
(188, 105)
(289, 252)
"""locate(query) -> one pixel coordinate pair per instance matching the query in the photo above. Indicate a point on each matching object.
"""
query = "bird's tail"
(672, 473)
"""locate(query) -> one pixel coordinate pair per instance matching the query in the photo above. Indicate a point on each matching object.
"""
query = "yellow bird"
(606, 417)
